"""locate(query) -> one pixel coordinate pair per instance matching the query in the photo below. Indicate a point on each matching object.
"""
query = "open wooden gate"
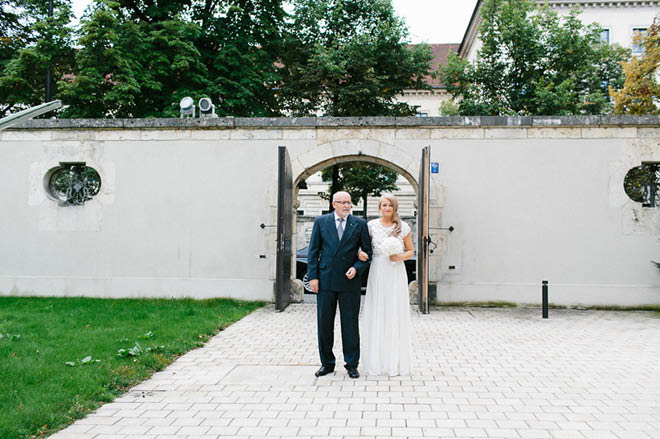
(284, 225)
(423, 232)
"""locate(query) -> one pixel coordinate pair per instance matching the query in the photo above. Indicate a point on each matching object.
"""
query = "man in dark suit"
(334, 271)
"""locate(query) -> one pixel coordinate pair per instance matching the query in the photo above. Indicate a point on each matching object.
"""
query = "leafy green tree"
(31, 42)
(104, 83)
(241, 45)
(132, 69)
(349, 58)
(11, 33)
(360, 179)
(533, 62)
(641, 91)
(449, 108)
(139, 58)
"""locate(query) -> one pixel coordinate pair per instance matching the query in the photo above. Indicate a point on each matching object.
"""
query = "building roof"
(440, 53)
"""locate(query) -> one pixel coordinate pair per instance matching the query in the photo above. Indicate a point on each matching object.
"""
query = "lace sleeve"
(405, 229)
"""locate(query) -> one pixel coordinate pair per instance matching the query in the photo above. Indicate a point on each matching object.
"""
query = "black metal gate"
(423, 233)
(284, 225)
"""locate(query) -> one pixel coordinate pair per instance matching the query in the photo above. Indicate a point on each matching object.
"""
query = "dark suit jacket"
(328, 259)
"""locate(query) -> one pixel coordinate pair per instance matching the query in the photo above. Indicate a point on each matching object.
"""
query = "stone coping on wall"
(315, 122)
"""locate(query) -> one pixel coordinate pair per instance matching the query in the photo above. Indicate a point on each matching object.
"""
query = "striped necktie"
(340, 228)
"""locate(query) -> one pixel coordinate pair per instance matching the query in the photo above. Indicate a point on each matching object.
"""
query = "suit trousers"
(349, 311)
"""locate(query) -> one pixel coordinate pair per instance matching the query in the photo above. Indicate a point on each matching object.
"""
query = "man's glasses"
(347, 203)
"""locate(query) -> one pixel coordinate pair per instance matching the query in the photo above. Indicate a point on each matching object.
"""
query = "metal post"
(50, 19)
(544, 292)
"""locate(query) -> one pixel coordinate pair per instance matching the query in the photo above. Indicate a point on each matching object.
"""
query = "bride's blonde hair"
(396, 220)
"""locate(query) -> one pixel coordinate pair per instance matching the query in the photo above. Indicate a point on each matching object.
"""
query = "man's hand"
(314, 285)
(351, 273)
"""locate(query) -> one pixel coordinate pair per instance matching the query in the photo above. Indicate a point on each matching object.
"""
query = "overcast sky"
(429, 21)
(435, 21)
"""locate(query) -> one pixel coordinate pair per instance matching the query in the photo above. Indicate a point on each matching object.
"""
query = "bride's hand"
(395, 258)
(362, 256)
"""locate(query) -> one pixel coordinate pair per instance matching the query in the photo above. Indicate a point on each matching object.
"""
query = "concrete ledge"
(573, 121)
(307, 122)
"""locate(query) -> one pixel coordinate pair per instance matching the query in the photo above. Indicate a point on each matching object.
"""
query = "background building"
(620, 21)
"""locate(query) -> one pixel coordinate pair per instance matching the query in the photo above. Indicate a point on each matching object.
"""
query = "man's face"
(342, 205)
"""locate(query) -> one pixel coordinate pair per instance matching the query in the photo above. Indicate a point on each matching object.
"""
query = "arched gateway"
(293, 169)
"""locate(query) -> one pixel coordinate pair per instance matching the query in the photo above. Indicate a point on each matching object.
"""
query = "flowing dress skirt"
(386, 320)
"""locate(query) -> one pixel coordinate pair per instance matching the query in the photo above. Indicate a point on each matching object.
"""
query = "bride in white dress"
(386, 313)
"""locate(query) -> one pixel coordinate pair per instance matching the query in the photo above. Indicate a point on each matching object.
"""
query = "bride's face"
(386, 208)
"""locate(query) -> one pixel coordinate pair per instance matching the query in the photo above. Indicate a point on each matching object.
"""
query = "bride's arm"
(362, 255)
(407, 243)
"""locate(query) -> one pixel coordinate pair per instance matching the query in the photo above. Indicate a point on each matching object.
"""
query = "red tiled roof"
(440, 53)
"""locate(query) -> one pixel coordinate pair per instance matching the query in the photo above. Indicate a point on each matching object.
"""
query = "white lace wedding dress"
(386, 312)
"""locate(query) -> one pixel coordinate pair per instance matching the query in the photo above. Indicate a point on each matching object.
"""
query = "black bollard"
(544, 292)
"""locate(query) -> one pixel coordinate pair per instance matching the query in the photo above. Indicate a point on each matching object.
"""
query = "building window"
(300, 212)
(323, 212)
(605, 36)
(642, 184)
(637, 47)
(422, 115)
(73, 183)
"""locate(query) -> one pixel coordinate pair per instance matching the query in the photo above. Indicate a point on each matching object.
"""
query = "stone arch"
(350, 150)
(351, 158)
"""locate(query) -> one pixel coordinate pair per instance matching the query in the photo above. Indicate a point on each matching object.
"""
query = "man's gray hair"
(334, 196)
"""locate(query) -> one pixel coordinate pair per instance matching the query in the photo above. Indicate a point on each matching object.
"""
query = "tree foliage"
(534, 62)
(349, 58)
(241, 45)
(641, 91)
(132, 69)
(31, 42)
(360, 180)
(138, 58)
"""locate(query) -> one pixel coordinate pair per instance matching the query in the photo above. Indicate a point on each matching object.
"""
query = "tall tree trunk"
(364, 205)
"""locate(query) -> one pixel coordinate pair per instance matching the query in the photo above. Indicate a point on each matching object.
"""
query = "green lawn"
(40, 393)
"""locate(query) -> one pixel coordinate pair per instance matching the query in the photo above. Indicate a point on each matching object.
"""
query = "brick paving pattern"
(480, 373)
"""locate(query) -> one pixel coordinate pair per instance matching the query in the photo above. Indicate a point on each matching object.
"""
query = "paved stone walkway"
(480, 373)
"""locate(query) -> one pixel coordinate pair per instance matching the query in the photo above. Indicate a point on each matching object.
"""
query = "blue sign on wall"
(434, 167)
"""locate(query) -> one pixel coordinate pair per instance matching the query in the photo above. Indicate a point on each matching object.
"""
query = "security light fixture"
(187, 106)
(206, 108)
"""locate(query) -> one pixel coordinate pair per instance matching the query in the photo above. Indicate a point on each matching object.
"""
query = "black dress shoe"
(352, 372)
(324, 370)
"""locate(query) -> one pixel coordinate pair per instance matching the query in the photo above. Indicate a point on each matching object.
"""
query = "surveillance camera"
(187, 106)
(206, 108)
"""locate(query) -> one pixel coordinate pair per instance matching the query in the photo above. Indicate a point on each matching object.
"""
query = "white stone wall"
(531, 199)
